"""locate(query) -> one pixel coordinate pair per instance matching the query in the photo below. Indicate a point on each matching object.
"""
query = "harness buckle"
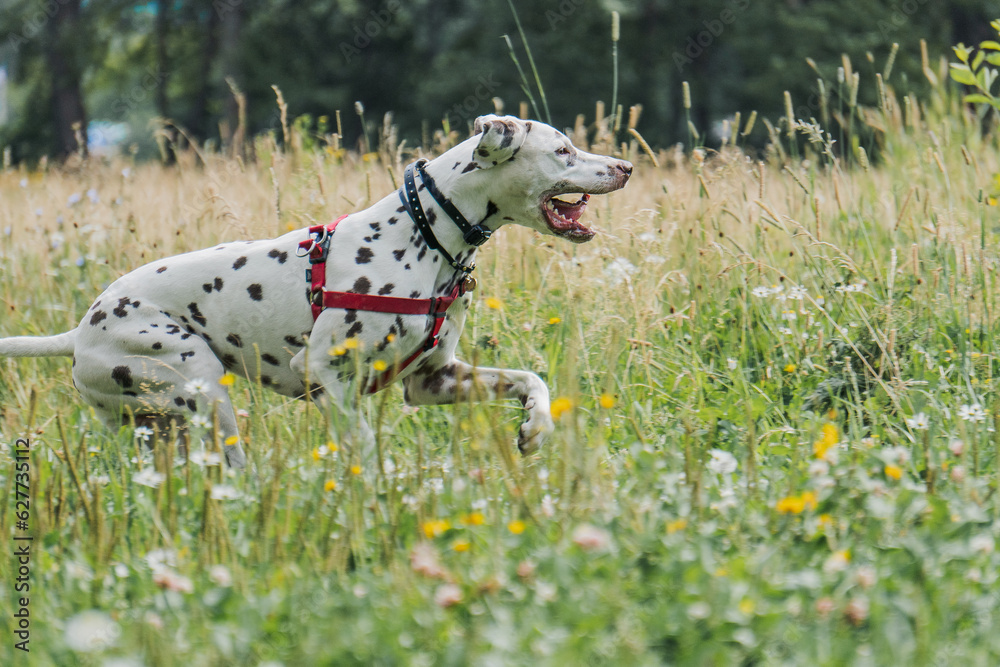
(478, 235)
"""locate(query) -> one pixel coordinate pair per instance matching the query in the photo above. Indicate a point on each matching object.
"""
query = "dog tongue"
(571, 211)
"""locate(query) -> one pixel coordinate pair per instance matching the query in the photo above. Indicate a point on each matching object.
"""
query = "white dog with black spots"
(155, 344)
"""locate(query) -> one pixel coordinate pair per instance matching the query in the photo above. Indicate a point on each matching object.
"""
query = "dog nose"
(625, 168)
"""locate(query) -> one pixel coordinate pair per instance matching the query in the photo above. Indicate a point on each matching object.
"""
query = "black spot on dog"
(470, 167)
(234, 340)
(196, 314)
(375, 237)
(457, 165)
(161, 269)
(179, 401)
(368, 239)
(192, 405)
(97, 317)
(185, 355)
(420, 255)
(293, 341)
(185, 321)
(375, 226)
(279, 255)
(407, 267)
(123, 302)
(270, 359)
(399, 326)
(507, 217)
(362, 286)
(350, 316)
(256, 292)
(386, 289)
(122, 375)
(157, 346)
(401, 209)
(207, 287)
(431, 216)
(265, 379)
(354, 330)
(238, 264)
(415, 294)
(483, 152)
(392, 220)
(398, 254)
(217, 284)
(172, 329)
(364, 256)
(185, 336)
(206, 337)
(129, 393)
(94, 307)
(228, 360)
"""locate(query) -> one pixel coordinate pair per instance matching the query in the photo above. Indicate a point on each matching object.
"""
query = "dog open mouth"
(562, 214)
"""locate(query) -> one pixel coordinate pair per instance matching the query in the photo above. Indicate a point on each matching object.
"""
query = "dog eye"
(562, 151)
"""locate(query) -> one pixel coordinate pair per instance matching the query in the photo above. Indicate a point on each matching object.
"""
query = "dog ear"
(500, 138)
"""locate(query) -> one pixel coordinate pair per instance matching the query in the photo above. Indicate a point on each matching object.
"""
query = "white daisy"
(91, 631)
(200, 421)
(919, 422)
(761, 292)
(203, 458)
(722, 463)
(196, 386)
(144, 433)
(731, 363)
(225, 492)
(148, 477)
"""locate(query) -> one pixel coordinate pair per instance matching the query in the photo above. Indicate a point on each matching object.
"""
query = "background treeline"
(73, 62)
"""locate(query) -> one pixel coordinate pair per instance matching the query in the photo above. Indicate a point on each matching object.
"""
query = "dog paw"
(534, 431)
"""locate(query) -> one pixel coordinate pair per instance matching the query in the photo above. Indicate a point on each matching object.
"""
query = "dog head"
(528, 173)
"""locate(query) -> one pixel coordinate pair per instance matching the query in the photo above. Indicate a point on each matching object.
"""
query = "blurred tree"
(430, 60)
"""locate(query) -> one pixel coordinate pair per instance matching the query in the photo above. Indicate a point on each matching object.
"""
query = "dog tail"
(39, 346)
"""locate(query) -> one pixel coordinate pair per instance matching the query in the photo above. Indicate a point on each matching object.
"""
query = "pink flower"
(447, 595)
(172, 581)
(424, 560)
(591, 538)
(525, 569)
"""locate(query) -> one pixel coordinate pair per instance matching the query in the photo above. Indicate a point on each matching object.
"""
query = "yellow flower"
(991, 201)
(893, 471)
(746, 606)
(331, 445)
(721, 571)
(227, 380)
(232, 440)
(828, 439)
(390, 337)
(436, 527)
(338, 351)
(790, 505)
(517, 526)
(555, 320)
(560, 406)
(317, 455)
(369, 157)
(355, 470)
(607, 401)
(330, 485)
(474, 519)
(790, 368)
(352, 343)
(494, 303)
(675, 525)
(380, 365)
(825, 520)
(461, 545)
(290, 226)
(809, 500)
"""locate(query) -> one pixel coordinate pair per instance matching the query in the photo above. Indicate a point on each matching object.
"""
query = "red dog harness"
(317, 247)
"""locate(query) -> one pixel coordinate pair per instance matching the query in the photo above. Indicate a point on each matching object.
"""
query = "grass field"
(776, 440)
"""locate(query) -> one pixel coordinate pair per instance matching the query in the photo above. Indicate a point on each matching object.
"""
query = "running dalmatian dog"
(155, 344)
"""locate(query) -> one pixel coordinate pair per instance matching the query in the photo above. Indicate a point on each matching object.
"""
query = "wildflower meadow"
(774, 380)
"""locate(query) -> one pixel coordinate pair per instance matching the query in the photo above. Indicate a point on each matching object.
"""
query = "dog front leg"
(338, 401)
(458, 381)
